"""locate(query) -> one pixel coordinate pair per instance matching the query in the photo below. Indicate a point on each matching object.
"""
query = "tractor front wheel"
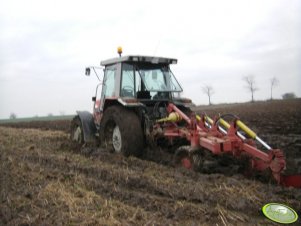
(121, 131)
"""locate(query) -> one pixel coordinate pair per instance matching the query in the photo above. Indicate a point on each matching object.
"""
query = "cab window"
(128, 81)
(109, 81)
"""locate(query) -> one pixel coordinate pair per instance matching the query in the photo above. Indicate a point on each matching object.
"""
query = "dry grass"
(85, 207)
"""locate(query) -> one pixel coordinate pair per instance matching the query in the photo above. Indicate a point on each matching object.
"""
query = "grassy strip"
(43, 118)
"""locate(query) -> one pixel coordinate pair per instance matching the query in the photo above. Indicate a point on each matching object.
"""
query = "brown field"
(46, 181)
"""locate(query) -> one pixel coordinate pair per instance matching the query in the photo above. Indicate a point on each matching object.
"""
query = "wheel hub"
(117, 142)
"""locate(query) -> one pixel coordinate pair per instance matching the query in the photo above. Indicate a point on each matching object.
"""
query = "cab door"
(110, 85)
(107, 92)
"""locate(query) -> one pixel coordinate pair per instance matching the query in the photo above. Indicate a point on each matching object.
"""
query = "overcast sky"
(46, 45)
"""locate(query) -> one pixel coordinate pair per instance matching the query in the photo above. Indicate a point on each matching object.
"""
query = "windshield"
(148, 81)
(159, 79)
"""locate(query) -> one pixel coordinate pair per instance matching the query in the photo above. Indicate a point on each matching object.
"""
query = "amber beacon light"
(119, 51)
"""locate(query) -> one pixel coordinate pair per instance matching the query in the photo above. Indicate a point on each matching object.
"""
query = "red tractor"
(139, 105)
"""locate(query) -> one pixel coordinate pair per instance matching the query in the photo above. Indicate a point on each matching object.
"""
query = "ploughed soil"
(45, 180)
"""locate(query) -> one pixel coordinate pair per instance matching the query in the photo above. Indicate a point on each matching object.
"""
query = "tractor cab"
(138, 79)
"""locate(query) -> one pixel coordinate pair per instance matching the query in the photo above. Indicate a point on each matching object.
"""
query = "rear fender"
(88, 125)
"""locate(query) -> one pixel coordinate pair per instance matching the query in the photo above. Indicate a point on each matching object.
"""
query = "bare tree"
(208, 90)
(274, 82)
(250, 80)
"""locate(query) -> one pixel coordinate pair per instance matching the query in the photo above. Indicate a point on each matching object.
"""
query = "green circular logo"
(280, 213)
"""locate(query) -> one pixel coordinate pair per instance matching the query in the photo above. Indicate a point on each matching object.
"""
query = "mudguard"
(88, 125)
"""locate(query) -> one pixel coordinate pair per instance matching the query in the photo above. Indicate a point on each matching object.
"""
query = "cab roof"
(140, 59)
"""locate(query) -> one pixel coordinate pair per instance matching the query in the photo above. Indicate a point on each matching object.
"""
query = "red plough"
(219, 136)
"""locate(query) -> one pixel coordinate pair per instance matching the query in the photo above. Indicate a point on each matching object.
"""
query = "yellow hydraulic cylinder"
(251, 133)
(210, 120)
(224, 123)
(246, 129)
(207, 118)
(198, 117)
(241, 125)
(172, 117)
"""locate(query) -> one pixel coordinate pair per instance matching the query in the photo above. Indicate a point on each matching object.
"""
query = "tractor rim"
(77, 136)
(117, 142)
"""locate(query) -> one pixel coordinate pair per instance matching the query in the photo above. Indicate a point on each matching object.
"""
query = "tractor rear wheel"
(121, 131)
(77, 133)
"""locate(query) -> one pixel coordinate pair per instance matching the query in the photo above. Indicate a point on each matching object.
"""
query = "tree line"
(251, 87)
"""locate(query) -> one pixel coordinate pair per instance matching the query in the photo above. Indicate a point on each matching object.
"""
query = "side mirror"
(94, 99)
(88, 71)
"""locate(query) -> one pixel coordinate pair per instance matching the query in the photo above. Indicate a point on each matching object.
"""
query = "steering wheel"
(127, 91)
